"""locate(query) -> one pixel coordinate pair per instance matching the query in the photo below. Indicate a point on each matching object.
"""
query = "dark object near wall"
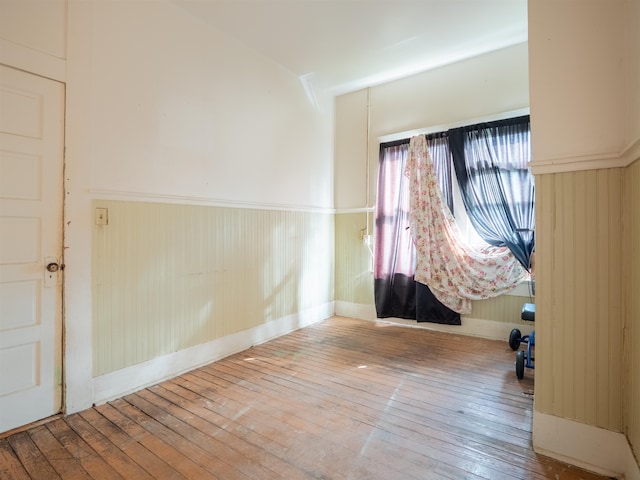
(400, 296)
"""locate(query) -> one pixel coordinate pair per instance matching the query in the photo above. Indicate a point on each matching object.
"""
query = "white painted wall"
(161, 107)
(171, 107)
(351, 150)
(36, 24)
(33, 36)
(578, 71)
(465, 91)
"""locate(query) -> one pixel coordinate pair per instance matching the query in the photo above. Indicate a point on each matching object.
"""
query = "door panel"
(31, 198)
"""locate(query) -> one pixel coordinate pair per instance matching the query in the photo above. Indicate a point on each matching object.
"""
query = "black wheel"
(520, 364)
(514, 339)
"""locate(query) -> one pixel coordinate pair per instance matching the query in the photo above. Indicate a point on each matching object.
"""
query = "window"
(492, 200)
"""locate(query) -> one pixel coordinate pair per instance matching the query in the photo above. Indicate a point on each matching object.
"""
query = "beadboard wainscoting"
(588, 317)
(354, 260)
(631, 372)
(171, 278)
(580, 296)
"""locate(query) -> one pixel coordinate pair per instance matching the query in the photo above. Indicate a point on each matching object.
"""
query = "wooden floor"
(344, 399)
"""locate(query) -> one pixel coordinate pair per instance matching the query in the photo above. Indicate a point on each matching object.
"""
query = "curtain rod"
(476, 126)
(448, 126)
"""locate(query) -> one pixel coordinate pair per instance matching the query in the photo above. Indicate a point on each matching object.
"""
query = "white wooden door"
(31, 199)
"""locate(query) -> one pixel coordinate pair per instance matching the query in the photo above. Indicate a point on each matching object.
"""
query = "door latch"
(52, 269)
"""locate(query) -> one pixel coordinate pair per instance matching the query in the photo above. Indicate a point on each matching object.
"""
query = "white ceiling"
(338, 46)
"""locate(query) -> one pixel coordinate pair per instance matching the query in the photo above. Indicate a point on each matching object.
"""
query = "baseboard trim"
(596, 449)
(136, 377)
(473, 327)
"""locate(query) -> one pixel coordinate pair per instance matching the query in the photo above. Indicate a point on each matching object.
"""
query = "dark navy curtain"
(491, 161)
(396, 292)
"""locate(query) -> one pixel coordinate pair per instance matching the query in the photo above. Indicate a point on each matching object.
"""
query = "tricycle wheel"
(514, 339)
(520, 364)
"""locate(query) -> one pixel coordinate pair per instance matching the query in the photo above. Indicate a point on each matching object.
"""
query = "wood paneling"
(167, 277)
(354, 263)
(579, 296)
(632, 314)
(505, 308)
(340, 399)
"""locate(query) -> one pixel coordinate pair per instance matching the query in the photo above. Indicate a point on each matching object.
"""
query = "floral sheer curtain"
(455, 272)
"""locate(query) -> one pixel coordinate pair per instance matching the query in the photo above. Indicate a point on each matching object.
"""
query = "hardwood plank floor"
(343, 399)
